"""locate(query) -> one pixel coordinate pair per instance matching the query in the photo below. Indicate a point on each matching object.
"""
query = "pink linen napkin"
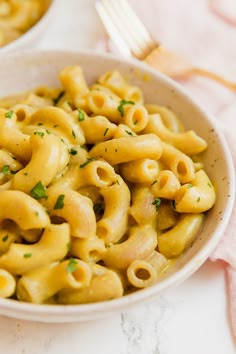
(203, 31)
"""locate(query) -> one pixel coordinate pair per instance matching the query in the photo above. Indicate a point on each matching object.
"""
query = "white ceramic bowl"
(21, 72)
(34, 33)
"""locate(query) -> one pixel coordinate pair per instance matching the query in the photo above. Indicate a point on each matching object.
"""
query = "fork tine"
(111, 29)
(118, 17)
(140, 30)
(128, 26)
(131, 37)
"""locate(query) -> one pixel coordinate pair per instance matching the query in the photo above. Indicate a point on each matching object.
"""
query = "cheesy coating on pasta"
(18, 16)
(99, 191)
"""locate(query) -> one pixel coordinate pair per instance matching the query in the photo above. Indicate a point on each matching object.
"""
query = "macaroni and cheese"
(18, 16)
(99, 191)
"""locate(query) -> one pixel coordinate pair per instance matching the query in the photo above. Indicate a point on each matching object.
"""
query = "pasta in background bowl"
(22, 22)
(125, 158)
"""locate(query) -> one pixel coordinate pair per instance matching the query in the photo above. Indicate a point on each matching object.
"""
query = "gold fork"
(132, 38)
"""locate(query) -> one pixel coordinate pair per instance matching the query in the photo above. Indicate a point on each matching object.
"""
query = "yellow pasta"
(19, 144)
(55, 119)
(169, 118)
(132, 148)
(89, 249)
(197, 196)
(97, 190)
(141, 243)
(144, 272)
(7, 237)
(173, 242)
(116, 82)
(166, 185)
(114, 222)
(47, 150)
(39, 284)
(178, 162)
(105, 285)
(23, 210)
(73, 81)
(52, 246)
(187, 142)
(67, 204)
(136, 117)
(167, 217)
(140, 171)
(97, 173)
(105, 104)
(141, 273)
(123, 130)
(7, 284)
(17, 17)
(97, 129)
(142, 208)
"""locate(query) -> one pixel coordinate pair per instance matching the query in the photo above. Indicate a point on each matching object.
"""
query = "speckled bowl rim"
(84, 312)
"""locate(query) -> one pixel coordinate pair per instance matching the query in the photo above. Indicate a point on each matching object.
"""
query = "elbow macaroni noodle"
(18, 16)
(98, 192)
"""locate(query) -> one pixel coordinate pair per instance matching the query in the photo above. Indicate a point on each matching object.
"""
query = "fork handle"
(171, 64)
(213, 76)
(168, 62)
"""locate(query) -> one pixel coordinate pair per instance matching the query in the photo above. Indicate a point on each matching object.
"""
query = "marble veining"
(144, 326)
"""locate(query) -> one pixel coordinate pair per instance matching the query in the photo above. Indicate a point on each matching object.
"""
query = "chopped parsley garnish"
(38, 191)
(39, 133)
(189, 185)
(5, 238)
(129, 133)
(9, 114)
(89, 159)
(71, 266)
(13, 172)
(68, 246)
(209, 184)
(57, 99)
(157, 203)
(81, 116)
(60, 202)
(121, 106)
(73, 152)
(27, 255)
(5, 170)
(73, 134)
(198, 199)
(106, 131)
(48, 131)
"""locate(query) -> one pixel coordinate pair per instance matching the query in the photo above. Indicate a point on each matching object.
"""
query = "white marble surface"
(190, 319)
